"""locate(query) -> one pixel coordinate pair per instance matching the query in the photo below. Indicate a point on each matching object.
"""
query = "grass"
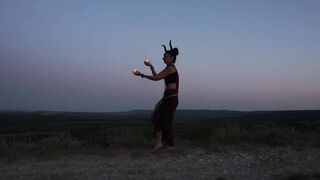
(70, 136)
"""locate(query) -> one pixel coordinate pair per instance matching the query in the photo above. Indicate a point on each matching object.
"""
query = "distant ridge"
(141, 111)
(181, 114)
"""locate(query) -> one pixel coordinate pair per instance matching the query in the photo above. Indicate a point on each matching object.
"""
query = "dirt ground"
(223, 162)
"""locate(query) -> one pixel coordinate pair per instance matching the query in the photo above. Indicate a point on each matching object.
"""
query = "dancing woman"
(164, 110)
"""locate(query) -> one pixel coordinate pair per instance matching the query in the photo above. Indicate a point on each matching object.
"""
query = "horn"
(165, 49)
(170, 45)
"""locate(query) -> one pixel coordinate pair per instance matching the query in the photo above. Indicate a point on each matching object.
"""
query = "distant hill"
(206, 114)
(289, 115)
(181, 115)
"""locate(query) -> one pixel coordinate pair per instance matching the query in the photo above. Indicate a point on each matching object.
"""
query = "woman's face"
(167, 58)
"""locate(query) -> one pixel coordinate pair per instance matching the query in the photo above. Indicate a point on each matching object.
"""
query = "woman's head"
(170, 56)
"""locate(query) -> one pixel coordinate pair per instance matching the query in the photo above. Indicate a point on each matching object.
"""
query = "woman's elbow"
(156, 79)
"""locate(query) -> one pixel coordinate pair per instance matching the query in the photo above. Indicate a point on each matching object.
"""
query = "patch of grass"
(233, 133)
(85, 136)
(12, 144)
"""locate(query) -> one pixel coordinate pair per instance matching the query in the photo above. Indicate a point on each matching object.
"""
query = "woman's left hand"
(147, 62)
(137, 73)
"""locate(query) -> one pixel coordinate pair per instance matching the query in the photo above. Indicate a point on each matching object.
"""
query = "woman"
(164, 110)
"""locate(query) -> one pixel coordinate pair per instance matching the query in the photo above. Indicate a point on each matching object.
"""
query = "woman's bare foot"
(170, 148)
(156, 147)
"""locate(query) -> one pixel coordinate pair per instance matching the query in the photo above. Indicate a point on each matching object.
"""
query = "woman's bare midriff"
(172, 86)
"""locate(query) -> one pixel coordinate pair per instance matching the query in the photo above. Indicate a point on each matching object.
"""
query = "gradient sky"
(238, 55)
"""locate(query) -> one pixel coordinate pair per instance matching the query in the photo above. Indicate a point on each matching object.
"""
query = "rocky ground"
(193, 162)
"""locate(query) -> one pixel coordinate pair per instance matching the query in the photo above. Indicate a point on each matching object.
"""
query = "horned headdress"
(172, 51)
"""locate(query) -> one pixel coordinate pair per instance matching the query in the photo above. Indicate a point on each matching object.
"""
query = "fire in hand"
(147, 62)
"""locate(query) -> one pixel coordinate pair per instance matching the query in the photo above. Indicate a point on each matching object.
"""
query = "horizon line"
(186, 109)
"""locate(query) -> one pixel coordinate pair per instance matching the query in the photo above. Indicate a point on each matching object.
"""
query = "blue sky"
(238, 55)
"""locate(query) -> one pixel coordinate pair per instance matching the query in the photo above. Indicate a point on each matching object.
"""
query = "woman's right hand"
(147, 62)
(136, 72)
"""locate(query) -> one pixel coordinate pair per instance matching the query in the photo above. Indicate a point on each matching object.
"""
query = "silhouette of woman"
(164, 110)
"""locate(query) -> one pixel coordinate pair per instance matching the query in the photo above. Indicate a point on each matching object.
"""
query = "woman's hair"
(173, 51)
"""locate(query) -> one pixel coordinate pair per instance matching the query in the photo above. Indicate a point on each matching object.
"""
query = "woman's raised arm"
(154, 73)
(166, 71)
(148, 63)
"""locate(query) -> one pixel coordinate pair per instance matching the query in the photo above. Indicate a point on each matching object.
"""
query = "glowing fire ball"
(147, 62)
(135, 71)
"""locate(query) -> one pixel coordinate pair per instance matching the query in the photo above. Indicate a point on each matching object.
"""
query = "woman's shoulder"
(171, 68)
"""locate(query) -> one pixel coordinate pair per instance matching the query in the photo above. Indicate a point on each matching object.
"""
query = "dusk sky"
(65, 55)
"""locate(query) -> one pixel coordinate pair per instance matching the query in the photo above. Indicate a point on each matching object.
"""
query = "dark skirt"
(162, 117)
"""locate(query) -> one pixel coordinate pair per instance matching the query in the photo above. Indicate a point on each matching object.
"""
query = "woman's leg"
(171, 106)
(158, 126)
(158, 143)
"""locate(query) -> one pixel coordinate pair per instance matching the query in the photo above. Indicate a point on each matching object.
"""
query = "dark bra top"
(172, 78)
